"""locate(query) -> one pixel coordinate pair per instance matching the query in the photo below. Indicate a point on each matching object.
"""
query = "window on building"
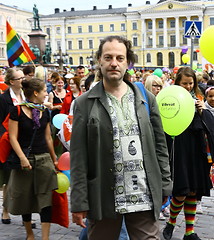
(160, 24)
(136, 58)
(71, 61)
(135, 44)
(149, 24)
(184, 40)
(183, 22)
(57, 30)
(148, 57)
(80, 44)
(90, 44)
(212, 21)
(149, 41)
(195, 19)
(69, 30)
(134, 26)
(123, 27)
(160, 39)
(172, 23)
(111, 27)
(0, 20)
(195, 56)
(48, 43)
(172, 41)
(69, 45)
(160, 59)
(90, 28)
(171, 60)
(81, 61)
(101, 28)
(1, 36)
(48, 31)
(58, 45)
(79, 29)
(196, 41)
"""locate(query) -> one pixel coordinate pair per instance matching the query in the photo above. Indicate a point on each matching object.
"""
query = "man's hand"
(77, 217)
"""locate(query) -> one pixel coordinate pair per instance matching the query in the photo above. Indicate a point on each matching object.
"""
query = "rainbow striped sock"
(175, 208)
(190, 205)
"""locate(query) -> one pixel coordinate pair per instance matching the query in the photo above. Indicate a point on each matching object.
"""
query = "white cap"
(69, 75)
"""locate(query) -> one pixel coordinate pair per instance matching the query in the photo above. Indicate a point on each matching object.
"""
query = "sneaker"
(161, 217)
(199, 208)
(168, 230)
(166, 212)
(192, 236)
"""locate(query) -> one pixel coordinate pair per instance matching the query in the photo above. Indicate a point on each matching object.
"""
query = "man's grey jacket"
(92, 161)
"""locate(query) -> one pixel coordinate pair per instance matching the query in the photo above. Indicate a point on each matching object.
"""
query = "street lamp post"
(90, 59)
(60, 58)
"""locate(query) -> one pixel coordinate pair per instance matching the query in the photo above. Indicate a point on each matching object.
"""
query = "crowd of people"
(124, 168)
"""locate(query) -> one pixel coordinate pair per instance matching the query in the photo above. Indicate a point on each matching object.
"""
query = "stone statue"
(36, 17)
(37, 54)
(47, 56)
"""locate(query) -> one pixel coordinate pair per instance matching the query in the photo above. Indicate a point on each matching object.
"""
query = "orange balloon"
(64, 161)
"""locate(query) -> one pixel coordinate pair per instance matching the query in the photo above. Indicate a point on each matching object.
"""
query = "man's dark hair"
(28, 69)
(129, 55)
(80, 67)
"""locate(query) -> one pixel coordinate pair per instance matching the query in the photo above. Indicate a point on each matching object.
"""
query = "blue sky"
(47, 6)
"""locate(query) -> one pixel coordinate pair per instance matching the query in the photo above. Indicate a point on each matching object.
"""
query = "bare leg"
(5, 214)
(29, 231)
(45, 230)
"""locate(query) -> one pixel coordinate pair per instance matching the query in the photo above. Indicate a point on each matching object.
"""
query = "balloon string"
(172, 157)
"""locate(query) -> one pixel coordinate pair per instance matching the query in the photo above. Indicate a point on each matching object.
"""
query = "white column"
(143, 30)
(63, 47)
(165, 40)
(188, 39)
(53, 43)
(154, 32)
(177, 32)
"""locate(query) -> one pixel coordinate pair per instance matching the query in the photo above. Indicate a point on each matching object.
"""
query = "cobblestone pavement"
(204, 226)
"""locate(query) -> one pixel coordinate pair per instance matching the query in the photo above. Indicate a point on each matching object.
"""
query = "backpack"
(143, 91)
(4, 139)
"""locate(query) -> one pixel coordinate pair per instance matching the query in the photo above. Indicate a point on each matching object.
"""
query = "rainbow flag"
(18, 51)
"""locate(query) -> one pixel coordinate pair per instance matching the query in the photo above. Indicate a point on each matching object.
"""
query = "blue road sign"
(192, 29)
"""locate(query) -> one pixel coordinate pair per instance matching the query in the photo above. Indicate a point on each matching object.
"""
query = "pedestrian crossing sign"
(192, 29)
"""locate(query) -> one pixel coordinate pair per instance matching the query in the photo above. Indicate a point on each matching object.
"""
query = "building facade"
(18, 20)
(156, 30)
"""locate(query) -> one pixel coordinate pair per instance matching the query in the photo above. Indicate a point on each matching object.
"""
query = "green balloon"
(158, 72)
(177, 109)
(131, 71)
(63, 182)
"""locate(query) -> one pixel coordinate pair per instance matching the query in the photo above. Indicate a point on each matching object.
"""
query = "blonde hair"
(150, 80)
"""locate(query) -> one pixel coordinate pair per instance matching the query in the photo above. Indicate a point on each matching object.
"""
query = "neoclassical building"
(156, 30)
(17, 17)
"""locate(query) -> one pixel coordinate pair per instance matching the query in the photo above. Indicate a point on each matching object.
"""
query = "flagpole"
(21, 44)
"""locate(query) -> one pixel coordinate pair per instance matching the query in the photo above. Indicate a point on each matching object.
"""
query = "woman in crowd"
(30, 187)
(12, 97)
(70, 96)
(57, 96)
(190, 162)
(154, 84)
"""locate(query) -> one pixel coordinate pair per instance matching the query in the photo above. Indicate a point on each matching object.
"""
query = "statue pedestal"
(37, 37)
